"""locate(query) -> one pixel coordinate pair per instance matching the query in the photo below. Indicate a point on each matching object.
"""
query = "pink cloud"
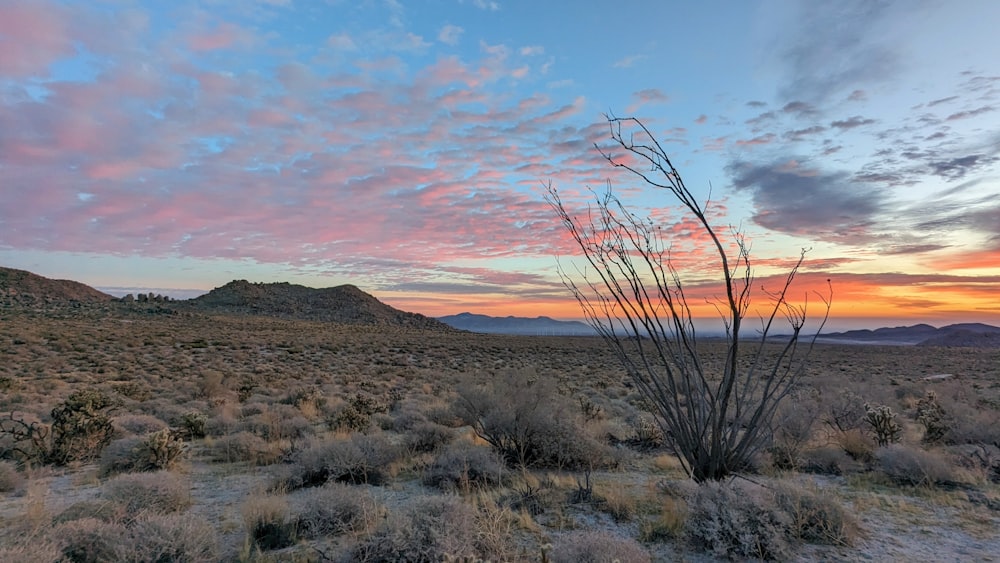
(223, 35)
(33, 35)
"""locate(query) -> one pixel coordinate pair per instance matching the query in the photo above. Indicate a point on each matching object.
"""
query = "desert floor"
(303, 441)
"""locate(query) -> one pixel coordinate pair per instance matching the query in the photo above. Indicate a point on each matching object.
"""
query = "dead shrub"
(905, 465)
(161, 492)
(337, 509)
(153, 452)
(244, 446)
(89, 540)
(464, 466)
(361, 458)
(816, 517)
(827, 460)
(857, 445)
(735, 522)
(426, 437)
(169, 537)
(269, 523)
(10, 478)
(138, 424)
(597, 546)
(429, 529)
(530, 424)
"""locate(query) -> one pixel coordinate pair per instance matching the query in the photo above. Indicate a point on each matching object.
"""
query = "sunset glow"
(404, 147)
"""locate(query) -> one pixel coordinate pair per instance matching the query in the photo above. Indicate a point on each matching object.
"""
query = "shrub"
(731, 521)
(816, 517)
(668, 524)
(857, 445)
(153, 452)
(911, 466)
(81, 426)
(169, 537)
(793, 425)
(425, 437)
(464, 466)
(161, 492)
(10, 478)
(357, 414)
(931, 415)
(193, 425)
(528, 423)
(882, 421)
(268, 522)
(826, 460)
(245, 446)
(597, 546)
(358, 459)
(139, 424)
(89, 540)
(429, 529)
(337, 509)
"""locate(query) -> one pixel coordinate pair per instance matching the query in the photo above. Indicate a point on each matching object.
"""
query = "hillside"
(342, 304)
(516, 325)
(976, 335)
(20, 287)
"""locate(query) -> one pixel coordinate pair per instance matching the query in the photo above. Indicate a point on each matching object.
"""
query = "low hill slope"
(517, 325)
(23, 287)
(344, 304)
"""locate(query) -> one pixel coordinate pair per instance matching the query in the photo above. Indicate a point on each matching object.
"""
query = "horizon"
(403, 147)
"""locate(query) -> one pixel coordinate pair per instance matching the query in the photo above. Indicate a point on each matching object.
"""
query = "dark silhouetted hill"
(965, 334)
(344, 304)
(517, 325)
(20, 287)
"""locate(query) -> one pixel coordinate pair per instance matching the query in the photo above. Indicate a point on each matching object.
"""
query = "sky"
(404, 146)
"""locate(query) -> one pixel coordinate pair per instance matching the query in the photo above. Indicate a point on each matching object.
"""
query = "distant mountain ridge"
(344, 304)
(977, 335)
(517, 325)
(25, 288)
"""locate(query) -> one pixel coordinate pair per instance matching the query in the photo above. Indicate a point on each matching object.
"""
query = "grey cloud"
(941, 101)
(957, 168)
(851, 122)
(799, 108)
(756, 104)
(800, 134)
(970, 113)
(823, 205)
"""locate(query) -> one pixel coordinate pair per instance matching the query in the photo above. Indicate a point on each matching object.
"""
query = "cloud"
(450, 34)
(532, 50)
(834, 47)
(628, 62)
(970, 113)
(487, 5)
(791, 198)
(959, 167)
(851, 122)
(33, 34)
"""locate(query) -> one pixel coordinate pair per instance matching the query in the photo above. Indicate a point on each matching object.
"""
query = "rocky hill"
(20, 287)
(342, 304)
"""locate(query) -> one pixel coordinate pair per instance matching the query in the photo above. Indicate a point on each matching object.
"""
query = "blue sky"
(403, 146)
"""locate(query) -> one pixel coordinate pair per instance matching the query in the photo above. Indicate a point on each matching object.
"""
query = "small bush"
(731, 521)
(826, 460)
(462, 467)
(245, 446)
(911, 466)
(337, 509)
(857, 445)
(597, 546)
(161, 492)
(89, 540)
(359, 459)
(425, 437)
(817, 517)
(668, 524)
(356, 416)
(139, 424)
(530, 424)
(268, 522)
(429, 529)
(10, 478)
(169, 537)
(153, 452)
